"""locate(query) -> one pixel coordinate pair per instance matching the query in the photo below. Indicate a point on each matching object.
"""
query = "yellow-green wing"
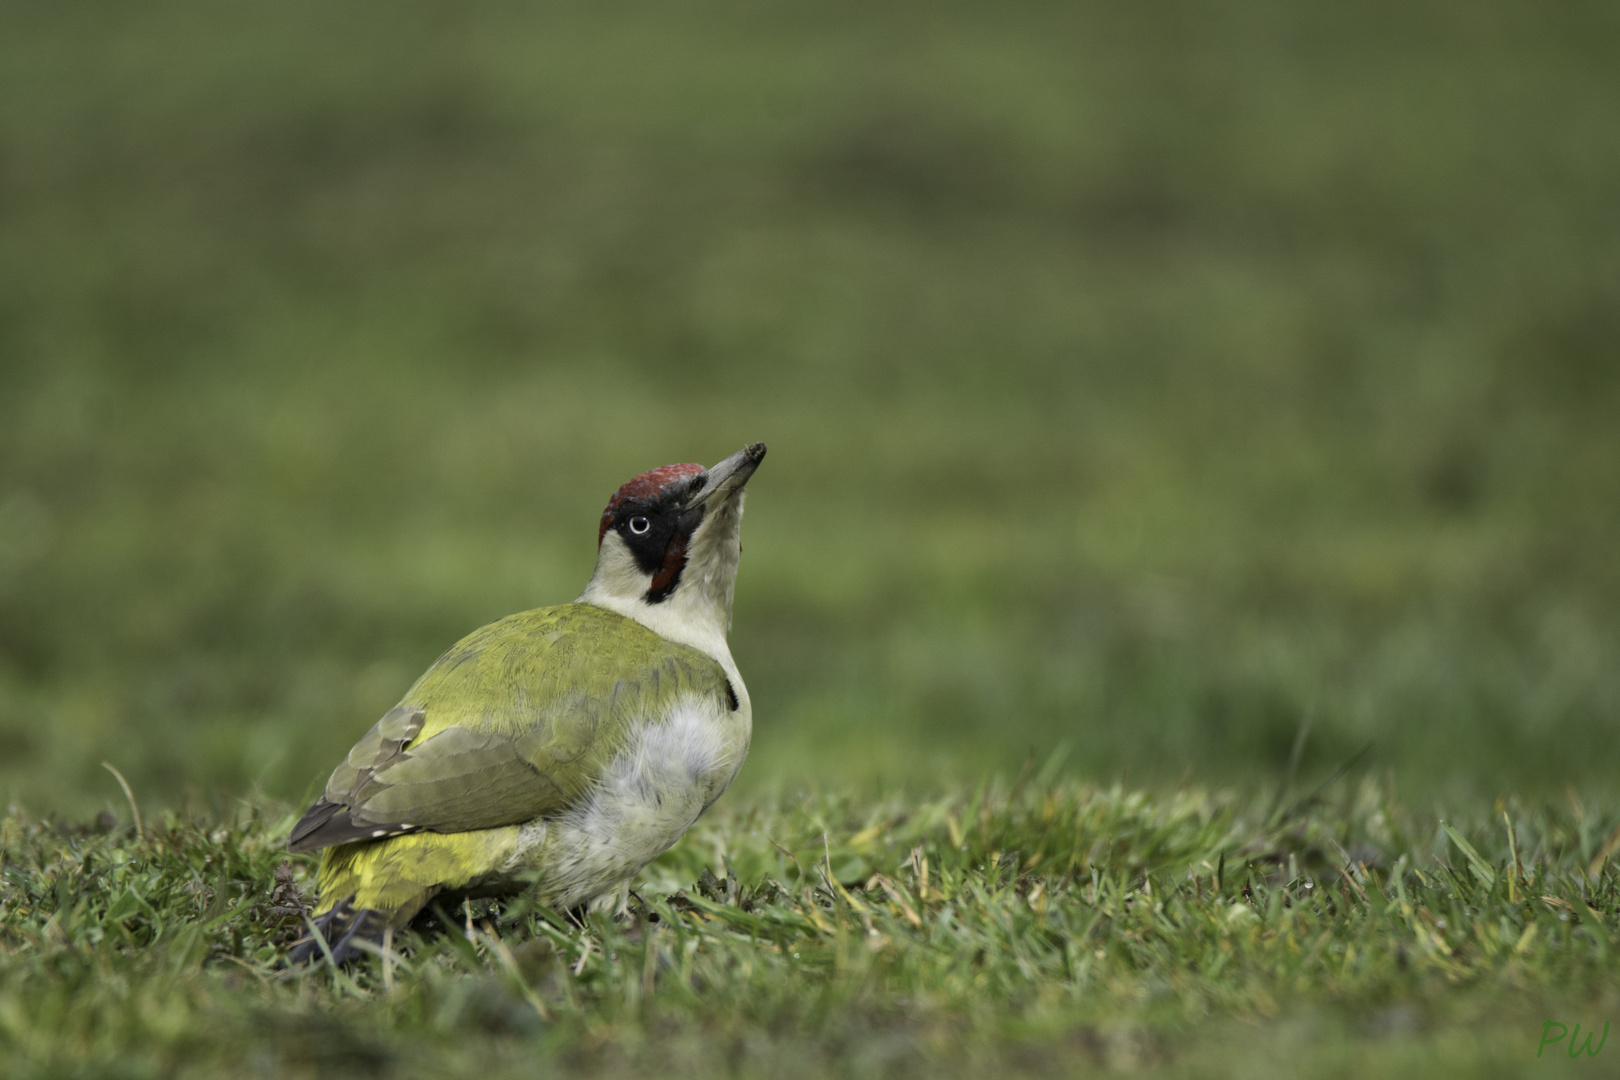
(514, 722)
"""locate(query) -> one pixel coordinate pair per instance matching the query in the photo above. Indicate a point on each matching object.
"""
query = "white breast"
(669, 772)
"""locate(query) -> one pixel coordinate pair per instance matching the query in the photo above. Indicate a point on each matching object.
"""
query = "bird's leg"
(330, 925)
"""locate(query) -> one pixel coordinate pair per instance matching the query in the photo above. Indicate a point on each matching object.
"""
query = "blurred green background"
(1139, 377)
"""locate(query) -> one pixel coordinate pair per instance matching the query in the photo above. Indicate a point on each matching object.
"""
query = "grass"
(1137, 376)
(1044, 928)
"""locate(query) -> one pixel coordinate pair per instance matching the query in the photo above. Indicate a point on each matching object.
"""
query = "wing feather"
(512, 723)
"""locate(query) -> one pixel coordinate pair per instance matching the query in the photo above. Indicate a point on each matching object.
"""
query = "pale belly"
(667, 775)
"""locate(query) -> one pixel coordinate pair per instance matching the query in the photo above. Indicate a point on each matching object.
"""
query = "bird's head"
(668, 546)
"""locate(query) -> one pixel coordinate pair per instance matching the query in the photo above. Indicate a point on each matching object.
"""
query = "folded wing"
(513, 723)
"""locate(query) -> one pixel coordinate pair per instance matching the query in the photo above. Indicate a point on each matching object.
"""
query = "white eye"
(640, 525)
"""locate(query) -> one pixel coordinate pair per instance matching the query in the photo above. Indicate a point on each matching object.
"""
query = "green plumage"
(516, 722)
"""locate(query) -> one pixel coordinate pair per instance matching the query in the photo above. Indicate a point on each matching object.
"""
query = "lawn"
(1045, 928)
(1200, 402)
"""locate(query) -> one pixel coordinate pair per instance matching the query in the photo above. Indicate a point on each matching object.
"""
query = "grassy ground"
(1048, 928)
(1140, 377)
(1144, 378)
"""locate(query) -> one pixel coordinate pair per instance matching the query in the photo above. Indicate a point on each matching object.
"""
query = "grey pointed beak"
(728, 477)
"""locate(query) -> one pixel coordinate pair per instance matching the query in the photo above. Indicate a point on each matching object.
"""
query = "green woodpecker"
(565, 747)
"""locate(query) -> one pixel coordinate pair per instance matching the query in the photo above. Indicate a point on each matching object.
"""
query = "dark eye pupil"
(639, 525)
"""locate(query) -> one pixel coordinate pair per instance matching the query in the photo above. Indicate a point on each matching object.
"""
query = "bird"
(560, 749)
